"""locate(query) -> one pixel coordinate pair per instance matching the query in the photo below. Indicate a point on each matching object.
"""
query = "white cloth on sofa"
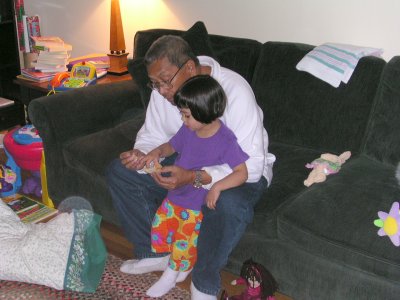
(335, 63)
(62, 253)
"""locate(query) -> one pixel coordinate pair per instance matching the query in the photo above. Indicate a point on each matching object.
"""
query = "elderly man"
(136, 195)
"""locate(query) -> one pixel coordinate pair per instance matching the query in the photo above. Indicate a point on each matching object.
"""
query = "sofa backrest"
(302, 110)
(237, 54)
(383, 141)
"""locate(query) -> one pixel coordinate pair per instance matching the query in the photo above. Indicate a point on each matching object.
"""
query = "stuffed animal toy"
(260, 284)
(33, 185)
(325, 165)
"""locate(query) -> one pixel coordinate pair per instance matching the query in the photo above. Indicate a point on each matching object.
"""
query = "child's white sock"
(197, 295)
(164, 284)
(182, 275)
(144, 265)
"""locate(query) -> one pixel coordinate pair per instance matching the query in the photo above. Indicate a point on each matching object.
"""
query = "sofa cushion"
(383, 142)
(302, 110)
(95, 151)
(334, 219)
(196, 37)
(238, 54)
(289, 174)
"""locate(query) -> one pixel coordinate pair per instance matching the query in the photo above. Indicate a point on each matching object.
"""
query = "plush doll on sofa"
(325, 165)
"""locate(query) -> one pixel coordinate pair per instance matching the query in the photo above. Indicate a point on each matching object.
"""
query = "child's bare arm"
(236, 178)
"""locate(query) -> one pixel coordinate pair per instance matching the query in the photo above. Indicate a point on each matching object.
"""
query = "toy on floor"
(260, 284)
(13, 173)
(33, 185)
(389, 224)
(325, 165)
(24, 149)
(7, 179)
(27, 135)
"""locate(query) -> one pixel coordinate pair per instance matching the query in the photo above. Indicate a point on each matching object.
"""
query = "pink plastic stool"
(27, 157)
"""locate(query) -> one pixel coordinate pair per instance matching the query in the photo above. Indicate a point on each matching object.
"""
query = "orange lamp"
(118, 55)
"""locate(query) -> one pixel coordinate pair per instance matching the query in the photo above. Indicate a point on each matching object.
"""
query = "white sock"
(182, 275)
(166, 282)
(197, 295)
(144, 265)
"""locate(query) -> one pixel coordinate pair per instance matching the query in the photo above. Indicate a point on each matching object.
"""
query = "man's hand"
(132, 159)
(178, 177)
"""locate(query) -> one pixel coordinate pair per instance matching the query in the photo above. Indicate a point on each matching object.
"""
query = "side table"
(12, 115)
(31, 90)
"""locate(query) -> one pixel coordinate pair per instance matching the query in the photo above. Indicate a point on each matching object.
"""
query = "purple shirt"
(194, 153)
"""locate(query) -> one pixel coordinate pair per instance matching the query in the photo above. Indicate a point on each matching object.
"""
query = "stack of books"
(35, 75)
(53, 57)
(54, 54)
(29, 210)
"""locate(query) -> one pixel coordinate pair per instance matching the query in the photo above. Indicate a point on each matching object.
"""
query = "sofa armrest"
(67, 115)
(64, 117)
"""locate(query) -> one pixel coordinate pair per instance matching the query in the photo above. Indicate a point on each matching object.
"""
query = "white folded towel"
(335, 63)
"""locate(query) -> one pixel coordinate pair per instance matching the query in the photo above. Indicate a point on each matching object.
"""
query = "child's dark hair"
(255, 271)
(204, 96)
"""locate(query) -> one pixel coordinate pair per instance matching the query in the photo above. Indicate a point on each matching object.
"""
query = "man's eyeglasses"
(165, 84)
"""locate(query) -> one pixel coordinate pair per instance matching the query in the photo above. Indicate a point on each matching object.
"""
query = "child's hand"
(150, 160)
(212, 197)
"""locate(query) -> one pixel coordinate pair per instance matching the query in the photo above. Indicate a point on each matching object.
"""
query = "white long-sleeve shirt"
(242, 115)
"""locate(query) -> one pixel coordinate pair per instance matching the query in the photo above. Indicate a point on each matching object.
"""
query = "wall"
(85, 23)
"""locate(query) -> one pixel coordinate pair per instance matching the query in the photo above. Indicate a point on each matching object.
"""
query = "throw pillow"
(197, 38)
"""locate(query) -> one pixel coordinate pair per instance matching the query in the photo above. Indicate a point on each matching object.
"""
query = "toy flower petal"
(394, 211)
(382, 215)
(381, 232)
(395, 239)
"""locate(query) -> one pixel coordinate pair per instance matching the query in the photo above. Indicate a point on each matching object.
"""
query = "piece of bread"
(152, 168)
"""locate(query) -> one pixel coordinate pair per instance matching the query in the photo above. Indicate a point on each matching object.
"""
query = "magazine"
(31, 26)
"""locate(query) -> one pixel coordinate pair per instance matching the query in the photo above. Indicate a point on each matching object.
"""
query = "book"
(99, 60)
(50, 44)
(43, 213)
(36, 75)
(36, 212)
(25, 213)
(22, 204)
(31, 26)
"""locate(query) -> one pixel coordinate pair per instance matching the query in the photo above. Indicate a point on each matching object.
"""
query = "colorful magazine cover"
(31, 29)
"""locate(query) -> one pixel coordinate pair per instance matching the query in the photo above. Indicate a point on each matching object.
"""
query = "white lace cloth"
(35, 253)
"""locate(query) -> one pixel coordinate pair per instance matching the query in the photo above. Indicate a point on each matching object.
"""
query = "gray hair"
(173, 47)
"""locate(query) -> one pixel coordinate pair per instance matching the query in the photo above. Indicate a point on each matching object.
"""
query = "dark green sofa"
(319, 242)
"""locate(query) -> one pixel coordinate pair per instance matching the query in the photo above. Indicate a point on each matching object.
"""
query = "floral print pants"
(175, 229)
